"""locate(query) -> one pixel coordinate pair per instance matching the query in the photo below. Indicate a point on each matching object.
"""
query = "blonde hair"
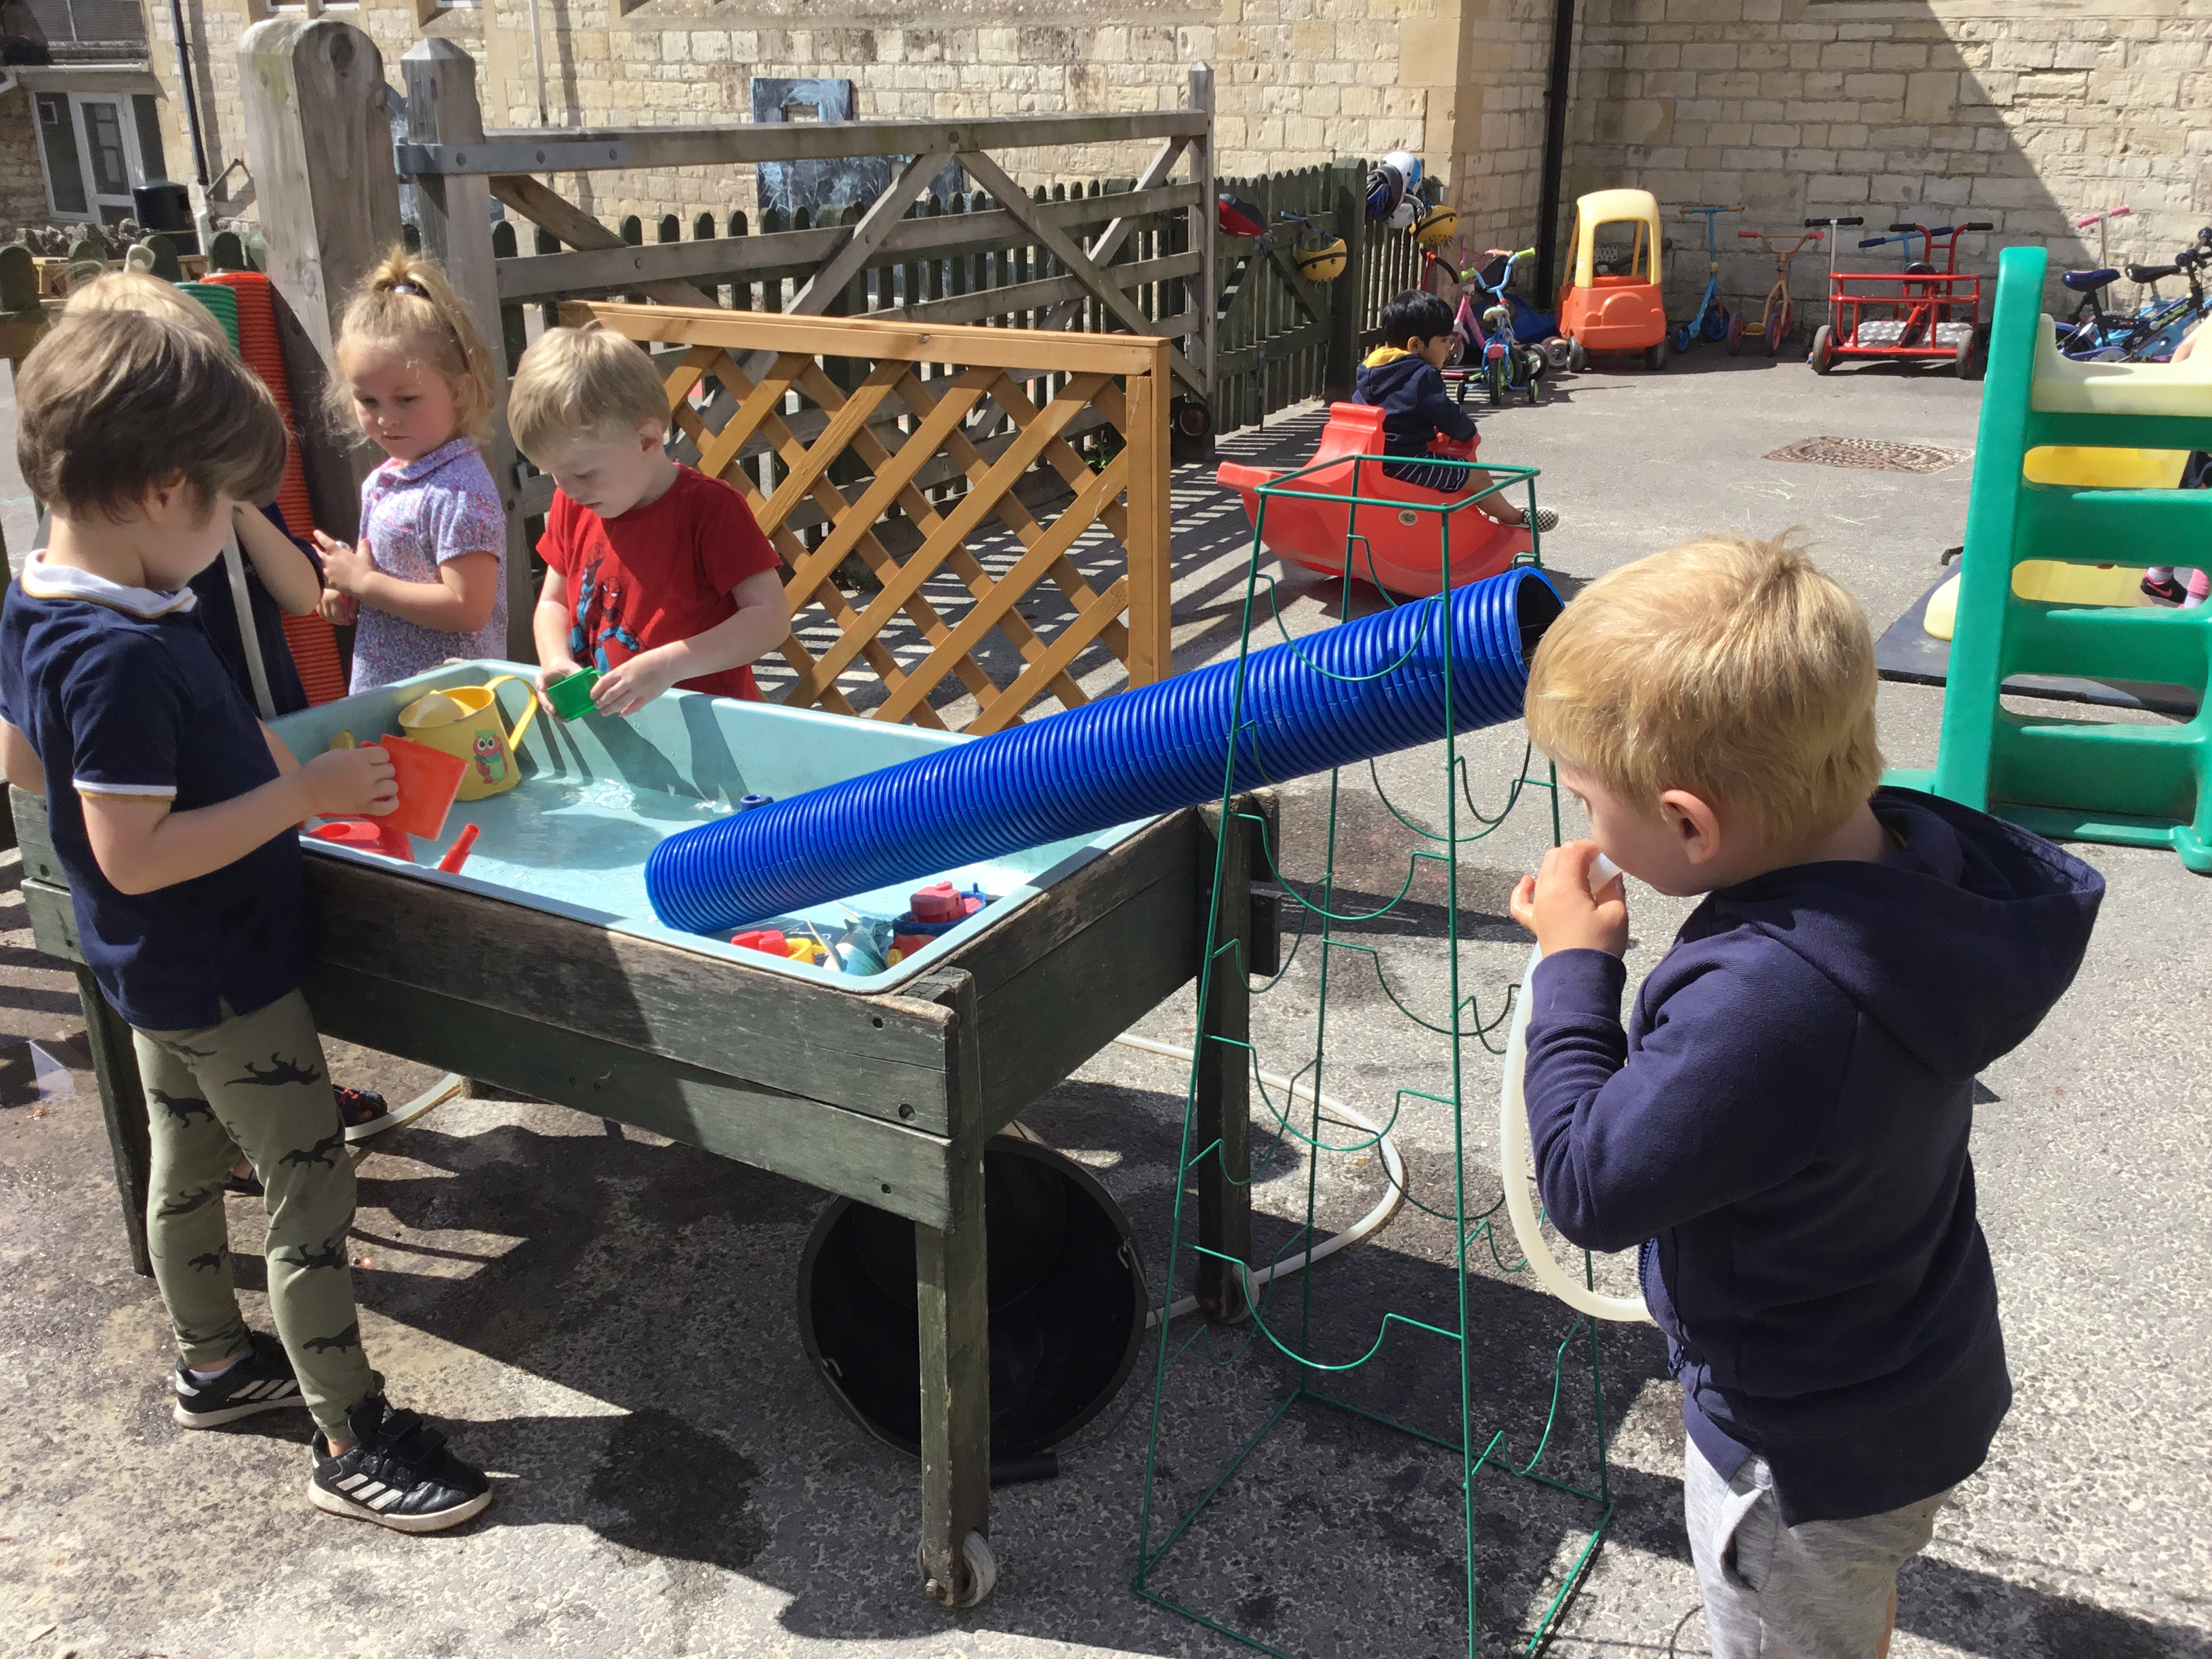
(1729, 667)
(148, 295)
(407, 303)
(588, 385)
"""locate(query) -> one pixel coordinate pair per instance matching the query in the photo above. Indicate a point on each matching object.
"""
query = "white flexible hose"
(1387, 1207)
(1514, 1157)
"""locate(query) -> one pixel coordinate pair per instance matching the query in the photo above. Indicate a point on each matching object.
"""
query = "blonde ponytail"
(406, 302)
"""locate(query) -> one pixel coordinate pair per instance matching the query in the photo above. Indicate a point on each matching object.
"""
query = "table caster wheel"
(982, 1575)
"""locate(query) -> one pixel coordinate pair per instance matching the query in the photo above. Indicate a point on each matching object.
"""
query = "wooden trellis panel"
(890, 409)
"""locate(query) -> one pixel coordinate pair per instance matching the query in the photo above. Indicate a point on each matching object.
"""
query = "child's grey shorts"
(1819, 1591)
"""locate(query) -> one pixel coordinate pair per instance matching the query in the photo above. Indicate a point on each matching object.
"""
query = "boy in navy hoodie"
(1404, 376)
(1783, 1125)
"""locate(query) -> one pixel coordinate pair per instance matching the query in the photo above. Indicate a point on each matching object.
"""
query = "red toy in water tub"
(1393, 547)
(370, 834)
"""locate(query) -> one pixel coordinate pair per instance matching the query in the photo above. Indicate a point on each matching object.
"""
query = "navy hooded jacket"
(1783, 1126)
(1415, 405)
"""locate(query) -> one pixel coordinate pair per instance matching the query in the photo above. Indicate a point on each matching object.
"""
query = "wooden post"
(952, 1287)
(123, 1102)
(1203, 288)
(1223, 1105)
(454, 211)
(1346, 294)
(1152, 630)
(318, 141)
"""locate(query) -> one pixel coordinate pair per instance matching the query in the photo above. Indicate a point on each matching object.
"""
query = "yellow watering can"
(466, 721)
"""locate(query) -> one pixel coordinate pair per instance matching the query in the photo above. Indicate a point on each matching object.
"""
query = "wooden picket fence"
(1280, 340)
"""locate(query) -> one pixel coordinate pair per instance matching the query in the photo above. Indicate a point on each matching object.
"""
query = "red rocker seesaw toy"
(1384, 539)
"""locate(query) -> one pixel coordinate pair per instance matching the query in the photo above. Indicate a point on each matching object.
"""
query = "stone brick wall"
(1299, 81)
(2022, 113)
(22, 181)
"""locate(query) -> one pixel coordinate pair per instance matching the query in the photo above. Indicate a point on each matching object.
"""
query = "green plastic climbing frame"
(2131, 784)
(1431, 1337)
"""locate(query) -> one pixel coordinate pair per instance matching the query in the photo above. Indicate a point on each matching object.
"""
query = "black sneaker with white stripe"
(398, 1473)
(262, 1381)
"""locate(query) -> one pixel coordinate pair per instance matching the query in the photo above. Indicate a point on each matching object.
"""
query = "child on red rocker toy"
(1404, 380)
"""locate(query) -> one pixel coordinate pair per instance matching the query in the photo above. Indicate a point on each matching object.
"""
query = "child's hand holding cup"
(1577, 901)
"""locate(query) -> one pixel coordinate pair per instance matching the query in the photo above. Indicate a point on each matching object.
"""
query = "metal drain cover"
(1870, 455)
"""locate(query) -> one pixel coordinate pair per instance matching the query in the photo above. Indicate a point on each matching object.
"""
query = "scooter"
(1711, 321)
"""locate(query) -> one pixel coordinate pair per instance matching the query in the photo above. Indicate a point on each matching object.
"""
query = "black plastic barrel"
(161, 205)
(1067, 1294)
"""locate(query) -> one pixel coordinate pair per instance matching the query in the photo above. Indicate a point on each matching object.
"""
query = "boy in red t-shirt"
(656, 574)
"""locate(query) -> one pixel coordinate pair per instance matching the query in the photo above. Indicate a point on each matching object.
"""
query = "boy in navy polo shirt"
(174, 818)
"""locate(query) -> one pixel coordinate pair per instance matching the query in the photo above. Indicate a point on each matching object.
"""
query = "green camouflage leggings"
(255, 1083)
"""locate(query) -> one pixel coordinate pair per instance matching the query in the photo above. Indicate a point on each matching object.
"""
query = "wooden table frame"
(890, 1100)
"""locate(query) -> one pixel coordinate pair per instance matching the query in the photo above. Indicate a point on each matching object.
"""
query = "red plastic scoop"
(428, 780)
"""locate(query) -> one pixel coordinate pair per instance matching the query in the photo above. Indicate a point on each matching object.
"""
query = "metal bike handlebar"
(1836, 224)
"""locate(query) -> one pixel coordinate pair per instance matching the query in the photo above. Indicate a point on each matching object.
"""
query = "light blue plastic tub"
(598, 793)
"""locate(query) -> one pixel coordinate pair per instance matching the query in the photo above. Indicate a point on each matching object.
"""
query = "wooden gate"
(327, 173)
(1279, 339)
(850, 426)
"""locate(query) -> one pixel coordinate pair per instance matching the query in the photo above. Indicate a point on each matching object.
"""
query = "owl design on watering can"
(491, 764)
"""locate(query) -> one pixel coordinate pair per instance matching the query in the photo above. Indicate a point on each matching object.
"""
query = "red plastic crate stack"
(314, 646)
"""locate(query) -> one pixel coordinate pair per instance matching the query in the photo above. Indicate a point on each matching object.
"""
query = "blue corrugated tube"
(1347, 694)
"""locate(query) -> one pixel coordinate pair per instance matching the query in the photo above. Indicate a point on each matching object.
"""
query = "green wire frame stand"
(1275, 1355)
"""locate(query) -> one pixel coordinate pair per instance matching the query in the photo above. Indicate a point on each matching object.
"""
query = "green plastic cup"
(571, 695)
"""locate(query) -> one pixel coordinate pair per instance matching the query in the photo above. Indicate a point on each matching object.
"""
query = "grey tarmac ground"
(607, 1320)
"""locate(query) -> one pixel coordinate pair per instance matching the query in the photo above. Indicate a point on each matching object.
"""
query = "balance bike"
(1777, 318)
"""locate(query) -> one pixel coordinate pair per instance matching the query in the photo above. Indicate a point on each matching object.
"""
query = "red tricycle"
(1922, 314)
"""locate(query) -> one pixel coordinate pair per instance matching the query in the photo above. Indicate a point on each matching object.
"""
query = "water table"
(541, 968)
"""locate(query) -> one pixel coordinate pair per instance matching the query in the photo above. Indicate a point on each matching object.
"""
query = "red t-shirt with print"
(657, 574)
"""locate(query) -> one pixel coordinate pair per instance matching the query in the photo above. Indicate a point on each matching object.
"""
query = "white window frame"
(134, 164)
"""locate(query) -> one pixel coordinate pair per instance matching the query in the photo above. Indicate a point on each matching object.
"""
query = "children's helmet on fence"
(1403, 216)
(1437, 227)
(1238, 218)
(1408, 166)
(1386, 191)
(1321, 258)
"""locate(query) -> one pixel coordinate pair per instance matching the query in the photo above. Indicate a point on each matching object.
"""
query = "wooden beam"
(588, 149)
(1144, 433)
(318, 139)
(882, 1057)
(454, 216)
(1201, 349)
(989, 174)
(1117, 231)
(952, 1309)
(1009, 349)
(1034, 296)
(540, 206)
(614, 264)
(318, 142)
(1221, 1108)
(823, 287)
(883, 1163)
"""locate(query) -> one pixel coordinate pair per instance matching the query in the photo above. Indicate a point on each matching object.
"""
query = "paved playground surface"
(607, 1321)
